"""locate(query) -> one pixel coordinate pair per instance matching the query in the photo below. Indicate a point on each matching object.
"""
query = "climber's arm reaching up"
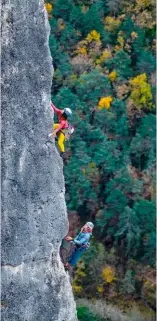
(54, 108)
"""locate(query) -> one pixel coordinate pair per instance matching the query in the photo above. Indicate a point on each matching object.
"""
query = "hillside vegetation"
(104, 60)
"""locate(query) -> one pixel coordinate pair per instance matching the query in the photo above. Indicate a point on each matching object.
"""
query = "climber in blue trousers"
(81, 244)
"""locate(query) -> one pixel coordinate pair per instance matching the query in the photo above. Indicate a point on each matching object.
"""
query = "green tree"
(84, 314)
(121, 62)
(54, 47)
(92, 21)
(110, 168)
(77, 18)
(64, 64)
(65, 97)
(146, 213)
(90, 87)
(139, 43)
(146, 62)
(127, 27)
(62, 9)
(69, 37)
(129, 231)
(143, 147)
(114, 6)
(128, 283)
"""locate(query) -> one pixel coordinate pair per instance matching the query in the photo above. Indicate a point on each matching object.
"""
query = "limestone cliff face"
(34, 219)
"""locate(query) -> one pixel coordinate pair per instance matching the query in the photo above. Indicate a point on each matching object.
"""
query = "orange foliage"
(49, 7)
(105, 102)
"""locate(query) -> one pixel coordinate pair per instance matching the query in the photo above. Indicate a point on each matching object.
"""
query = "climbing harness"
(67, 132)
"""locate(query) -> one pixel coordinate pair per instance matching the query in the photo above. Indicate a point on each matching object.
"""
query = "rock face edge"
(34, 216)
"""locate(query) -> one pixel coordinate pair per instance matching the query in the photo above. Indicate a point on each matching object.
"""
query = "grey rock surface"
(35, 286)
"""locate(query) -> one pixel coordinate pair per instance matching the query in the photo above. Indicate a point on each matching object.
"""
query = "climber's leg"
(75, 257)
(61, 139)
(72, 249)
(64, 251)
(55, 126)
(63, 255)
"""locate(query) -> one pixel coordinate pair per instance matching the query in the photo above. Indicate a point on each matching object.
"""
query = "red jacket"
(63, 123)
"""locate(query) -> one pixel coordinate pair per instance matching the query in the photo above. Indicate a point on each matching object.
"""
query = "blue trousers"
(76, 256)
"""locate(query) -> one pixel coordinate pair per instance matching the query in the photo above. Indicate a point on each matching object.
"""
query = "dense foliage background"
(104, 60)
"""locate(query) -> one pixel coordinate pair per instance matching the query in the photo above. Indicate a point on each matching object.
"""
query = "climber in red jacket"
(62, 125)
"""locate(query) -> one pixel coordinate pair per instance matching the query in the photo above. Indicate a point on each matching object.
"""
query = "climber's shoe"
(63, 155)
(50, 135)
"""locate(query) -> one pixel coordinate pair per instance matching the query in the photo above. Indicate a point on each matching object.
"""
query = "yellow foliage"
(142, 4)
(128, 7)
(120, 40)
(49, 7)
(93, 36)
(144, 16)
(112, 24)
(77, 289)
(91, 172)
(61, 24)
(141, 91)
(134, 35)
(117, 48)
(108, 274)
(62, 27)
(149, 291)
(100, 289)
(113, 75)
(122, 17)
(105, 102)
(83, 170)
(82, 51)
(105, 55)
(73, 77)
(92, 165)
(98, 62)
(138, 7)
(80, 274)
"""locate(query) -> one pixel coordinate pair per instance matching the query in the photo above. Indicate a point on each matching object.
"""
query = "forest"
(104, 70)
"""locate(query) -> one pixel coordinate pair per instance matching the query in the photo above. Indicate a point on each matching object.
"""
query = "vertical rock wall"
(34, 219)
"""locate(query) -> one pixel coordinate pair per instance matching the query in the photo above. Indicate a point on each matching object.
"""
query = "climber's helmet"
(67, 112)
(90, 225)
